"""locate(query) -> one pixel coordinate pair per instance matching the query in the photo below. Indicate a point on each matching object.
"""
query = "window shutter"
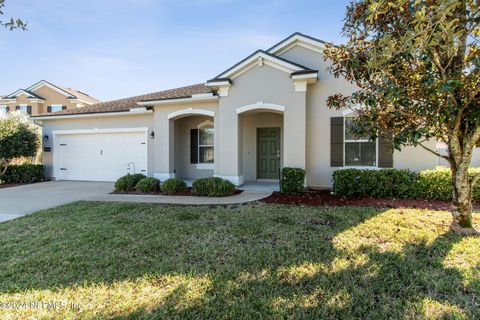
(385, 153)
(17, 108)
(29, 109)
(49, 109)
(7, 109)
(193, 145)
(336, 142)
(64, 107)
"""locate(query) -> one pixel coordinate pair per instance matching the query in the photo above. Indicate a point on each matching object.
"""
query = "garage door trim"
(90, 131)
(56, 133)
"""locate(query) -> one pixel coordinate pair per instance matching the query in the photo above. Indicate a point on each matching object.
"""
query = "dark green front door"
(268, 153)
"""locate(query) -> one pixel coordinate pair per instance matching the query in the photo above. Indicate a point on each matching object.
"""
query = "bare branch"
(434, 152)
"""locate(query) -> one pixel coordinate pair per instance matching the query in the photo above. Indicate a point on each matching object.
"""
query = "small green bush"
(174, 185)
(148, 185)
(128, 182)
(24, 173)
(213, 187)
(293, 180)
(393, 183)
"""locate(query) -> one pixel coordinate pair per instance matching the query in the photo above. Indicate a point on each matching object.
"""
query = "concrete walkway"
(22, 200)
(244, 197)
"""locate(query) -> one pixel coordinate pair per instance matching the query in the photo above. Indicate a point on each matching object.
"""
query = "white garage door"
(102, 156)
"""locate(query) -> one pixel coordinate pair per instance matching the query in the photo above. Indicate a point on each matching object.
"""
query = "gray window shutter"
(336, 142)
(194, 146)
(64, 107)
(49, 109)
(385, 153)
(29, 109)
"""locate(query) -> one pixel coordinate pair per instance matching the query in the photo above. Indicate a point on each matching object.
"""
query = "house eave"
(132, 111)
(195, 98)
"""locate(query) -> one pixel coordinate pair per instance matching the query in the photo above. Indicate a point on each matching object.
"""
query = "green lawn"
(130, 261)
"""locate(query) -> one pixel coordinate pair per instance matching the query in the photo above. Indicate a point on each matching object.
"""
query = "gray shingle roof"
(129, 103)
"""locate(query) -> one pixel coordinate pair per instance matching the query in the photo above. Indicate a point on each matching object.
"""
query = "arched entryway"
(193, 143)
(261, 141)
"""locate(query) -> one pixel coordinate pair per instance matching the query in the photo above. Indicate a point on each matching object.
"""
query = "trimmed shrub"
(385, 183)
(437, 184)
(24, 173)
(148, 185)
(174, 185)
(128, 182)
(393, 183)
(213, 187)
(293, 180)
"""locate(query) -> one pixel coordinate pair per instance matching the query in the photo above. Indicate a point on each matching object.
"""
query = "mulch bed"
(318, 198)
(188, 192)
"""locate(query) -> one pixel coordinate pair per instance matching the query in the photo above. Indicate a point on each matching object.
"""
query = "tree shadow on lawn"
(260, 261)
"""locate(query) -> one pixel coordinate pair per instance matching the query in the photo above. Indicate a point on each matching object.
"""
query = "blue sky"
(119, 48)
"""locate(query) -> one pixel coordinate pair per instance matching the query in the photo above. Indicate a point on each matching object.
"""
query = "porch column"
(228, 139)
(294, 140)
(163, 168)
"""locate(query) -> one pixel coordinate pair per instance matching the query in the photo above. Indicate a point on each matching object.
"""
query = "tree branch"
(434, 152)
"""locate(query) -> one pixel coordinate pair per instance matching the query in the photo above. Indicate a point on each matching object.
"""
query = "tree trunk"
(462, 200)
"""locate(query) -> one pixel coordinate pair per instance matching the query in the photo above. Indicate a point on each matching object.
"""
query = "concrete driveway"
(19, 201)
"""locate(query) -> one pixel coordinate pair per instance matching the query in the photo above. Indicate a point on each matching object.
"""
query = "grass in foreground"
(130, 261)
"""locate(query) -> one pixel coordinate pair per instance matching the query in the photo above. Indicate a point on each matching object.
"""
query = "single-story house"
(266, 112)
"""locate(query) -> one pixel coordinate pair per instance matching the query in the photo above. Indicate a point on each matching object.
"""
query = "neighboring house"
(44, 97)
(266, 112)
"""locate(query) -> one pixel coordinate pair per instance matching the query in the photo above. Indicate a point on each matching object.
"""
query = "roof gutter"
(195, 98)
(133, 111)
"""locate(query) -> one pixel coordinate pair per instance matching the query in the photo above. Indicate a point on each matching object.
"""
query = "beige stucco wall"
(111, 122)
(182, 166)
(415, 158)
(476, 158)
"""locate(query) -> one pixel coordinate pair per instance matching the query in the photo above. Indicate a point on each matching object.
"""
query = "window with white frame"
(205, 145)
(23, 108)
(56, 107)
(3, 109)
(359, 151)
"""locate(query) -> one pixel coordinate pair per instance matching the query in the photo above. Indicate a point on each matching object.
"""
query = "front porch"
(248, 146)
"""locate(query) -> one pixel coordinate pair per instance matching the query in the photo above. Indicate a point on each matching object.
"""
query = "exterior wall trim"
(236, 180)
(190, 111)
(260, 58)
(92, 115)
(260, 105)
(89, 131)
(162, 176)
(197, 98)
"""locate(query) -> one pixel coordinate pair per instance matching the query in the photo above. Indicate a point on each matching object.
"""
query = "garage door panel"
(101, 156)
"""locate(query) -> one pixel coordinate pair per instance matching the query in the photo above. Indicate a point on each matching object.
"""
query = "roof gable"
(19, 92)
(298, 39)
(43, 83)
(260, 57)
